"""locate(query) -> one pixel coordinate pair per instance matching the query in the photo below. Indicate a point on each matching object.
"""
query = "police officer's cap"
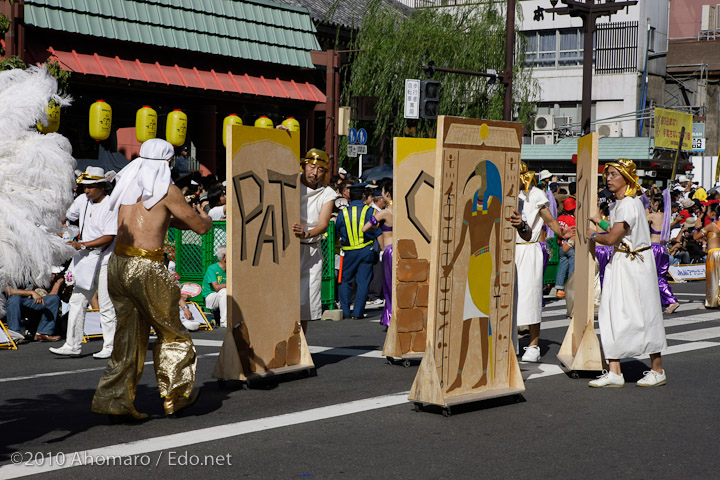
(362, 185)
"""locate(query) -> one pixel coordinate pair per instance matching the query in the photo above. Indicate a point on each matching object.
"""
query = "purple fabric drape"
(387, 261)
(546, 257)
(645, 201)
(553, 210)
(667, 212)
(662, 263)
(603, 254)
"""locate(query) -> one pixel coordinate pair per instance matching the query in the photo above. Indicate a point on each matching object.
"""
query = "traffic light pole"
(507, 77)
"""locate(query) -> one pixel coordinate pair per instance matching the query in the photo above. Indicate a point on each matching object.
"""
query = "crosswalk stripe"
(695, 335)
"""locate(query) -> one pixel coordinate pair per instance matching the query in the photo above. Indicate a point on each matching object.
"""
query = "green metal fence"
(329, 283)
(193, 253)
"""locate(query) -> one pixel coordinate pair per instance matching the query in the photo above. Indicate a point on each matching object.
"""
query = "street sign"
(698, 137)
(352, 136)
(352, 151)
(412, 98)
(362, 136)
(361, 149)
(698, 144)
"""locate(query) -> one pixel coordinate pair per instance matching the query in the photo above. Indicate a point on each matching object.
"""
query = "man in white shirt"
(316, 205)
(98, 227)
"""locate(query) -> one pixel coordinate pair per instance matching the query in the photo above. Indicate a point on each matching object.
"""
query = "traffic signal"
(429, 99)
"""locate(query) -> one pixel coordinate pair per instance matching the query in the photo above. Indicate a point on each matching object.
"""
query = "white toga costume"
(630, 317)
(311, 203)
(529, 261)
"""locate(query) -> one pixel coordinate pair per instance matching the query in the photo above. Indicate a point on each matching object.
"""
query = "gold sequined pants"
(144, 295)
(712, 278)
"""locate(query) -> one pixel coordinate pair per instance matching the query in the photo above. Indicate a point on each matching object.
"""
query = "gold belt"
(524, 243)
(624, 248)
(130, 251)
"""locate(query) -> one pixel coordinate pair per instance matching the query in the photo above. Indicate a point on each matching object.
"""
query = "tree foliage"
(394, 47)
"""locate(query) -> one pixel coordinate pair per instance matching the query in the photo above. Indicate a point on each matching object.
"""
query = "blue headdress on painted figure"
(490, 188)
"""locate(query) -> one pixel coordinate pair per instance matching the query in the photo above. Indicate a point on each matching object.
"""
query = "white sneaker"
(652, 379)
(65, 350)
(103, 354)
(190, 325)
(608, 379)
(532, 354)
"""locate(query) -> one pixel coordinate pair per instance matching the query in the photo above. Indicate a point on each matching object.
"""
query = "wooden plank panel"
(413, 181)
(472, 263)
(263, 192)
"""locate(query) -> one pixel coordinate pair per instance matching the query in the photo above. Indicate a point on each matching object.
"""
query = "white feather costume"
(36, 179)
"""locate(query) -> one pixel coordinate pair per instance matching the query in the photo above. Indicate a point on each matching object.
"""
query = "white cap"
(682, 178)
(342, 171)
(545, 174)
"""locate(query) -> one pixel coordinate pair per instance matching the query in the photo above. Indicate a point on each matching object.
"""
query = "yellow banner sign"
(668, 124)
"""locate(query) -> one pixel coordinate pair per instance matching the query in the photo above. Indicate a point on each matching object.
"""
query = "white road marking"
(210, 434)
(347, 352)
(695, 335)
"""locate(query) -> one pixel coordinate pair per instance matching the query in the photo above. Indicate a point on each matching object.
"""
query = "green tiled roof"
(251, 29)
(634, 148)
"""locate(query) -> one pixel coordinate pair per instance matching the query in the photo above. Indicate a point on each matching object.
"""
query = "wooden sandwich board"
(580, 349)
(413, 173)
(263, 256)
(469, 354)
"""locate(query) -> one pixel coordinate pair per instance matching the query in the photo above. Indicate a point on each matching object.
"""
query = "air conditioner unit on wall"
(544, 123)
(543, 138)
(707, 19)
(609, 130)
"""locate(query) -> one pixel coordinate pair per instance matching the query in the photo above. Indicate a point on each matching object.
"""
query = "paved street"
(353, 420)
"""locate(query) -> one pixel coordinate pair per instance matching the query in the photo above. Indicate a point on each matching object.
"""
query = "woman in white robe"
(630, 317)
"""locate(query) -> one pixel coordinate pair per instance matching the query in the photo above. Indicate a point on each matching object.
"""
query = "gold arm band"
(130, 251)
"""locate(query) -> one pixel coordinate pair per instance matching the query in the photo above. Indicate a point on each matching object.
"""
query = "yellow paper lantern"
(53, 120)
(100, 120)
(145, 124)
(176, 128)
(264, 122)
(291, 124)
(231, 119)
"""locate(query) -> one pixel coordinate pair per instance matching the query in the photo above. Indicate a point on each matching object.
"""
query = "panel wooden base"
(477, 396)
(588, 355)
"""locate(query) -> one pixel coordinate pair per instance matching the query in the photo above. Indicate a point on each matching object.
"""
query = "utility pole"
(589, 12)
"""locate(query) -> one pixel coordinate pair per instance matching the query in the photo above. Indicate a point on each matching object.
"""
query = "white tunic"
(630, 317)
(96, 220)
(311, 203)
(529, 261)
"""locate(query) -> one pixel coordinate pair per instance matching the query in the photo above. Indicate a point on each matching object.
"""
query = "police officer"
(358, 254)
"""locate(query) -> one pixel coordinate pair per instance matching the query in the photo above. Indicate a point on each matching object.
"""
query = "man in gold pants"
(142, 289)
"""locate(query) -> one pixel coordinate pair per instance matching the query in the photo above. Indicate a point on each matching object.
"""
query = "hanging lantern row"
(146, 122)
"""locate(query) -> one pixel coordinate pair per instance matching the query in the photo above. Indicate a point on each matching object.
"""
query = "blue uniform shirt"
(341, 229)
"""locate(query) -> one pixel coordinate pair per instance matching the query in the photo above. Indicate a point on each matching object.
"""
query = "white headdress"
(36, 179)
(148, 176)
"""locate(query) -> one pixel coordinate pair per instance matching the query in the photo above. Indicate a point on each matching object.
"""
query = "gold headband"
(85, 176)
(315, 156)
(527, 177)
(626, 168)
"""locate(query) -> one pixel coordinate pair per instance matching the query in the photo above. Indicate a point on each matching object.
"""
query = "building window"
(554, 48)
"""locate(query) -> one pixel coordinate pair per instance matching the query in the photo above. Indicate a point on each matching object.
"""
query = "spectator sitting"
(216, 198)
(214, 285)
(21, 301)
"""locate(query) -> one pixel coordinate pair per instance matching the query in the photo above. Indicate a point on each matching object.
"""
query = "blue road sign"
(362, 136)
(352, 136)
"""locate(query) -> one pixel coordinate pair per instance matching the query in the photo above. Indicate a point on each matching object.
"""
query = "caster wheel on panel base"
(390, 360)
(406, 363)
